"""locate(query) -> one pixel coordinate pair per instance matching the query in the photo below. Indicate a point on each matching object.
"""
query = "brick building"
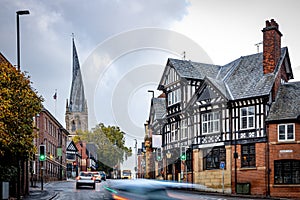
(221, 116)
(283, 125)
(51, 134)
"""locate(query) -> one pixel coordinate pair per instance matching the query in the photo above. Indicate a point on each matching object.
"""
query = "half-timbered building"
(218, 113)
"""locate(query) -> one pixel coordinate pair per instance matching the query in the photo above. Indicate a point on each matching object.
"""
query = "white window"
(174, 97)
(247, 117)
(286, 132)
(174, 132)
(184, 128)
(171, 76)
(210, 122)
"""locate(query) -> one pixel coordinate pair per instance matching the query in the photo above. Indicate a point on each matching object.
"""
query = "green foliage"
(111, 143)
(19, 103)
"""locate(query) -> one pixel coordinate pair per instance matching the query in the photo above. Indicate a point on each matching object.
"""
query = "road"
(67, 191)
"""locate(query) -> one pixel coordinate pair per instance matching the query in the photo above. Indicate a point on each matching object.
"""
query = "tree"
(19, 103)
(111, 143)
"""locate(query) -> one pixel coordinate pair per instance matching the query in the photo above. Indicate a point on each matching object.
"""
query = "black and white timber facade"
(219, 112)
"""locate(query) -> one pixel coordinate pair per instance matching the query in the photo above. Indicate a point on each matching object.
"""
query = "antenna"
(183, 55)
(257, 46)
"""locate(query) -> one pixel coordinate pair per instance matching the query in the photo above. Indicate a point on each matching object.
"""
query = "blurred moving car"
(85, 179)
(97, 176)
(103, 175)
(135, 189)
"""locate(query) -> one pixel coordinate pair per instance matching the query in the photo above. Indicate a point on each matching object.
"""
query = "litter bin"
(4, 190)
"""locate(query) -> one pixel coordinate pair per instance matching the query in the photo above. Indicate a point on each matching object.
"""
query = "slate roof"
(159, 106)
(239, 79)
(246, 79)
(189, 69)
(287, 103)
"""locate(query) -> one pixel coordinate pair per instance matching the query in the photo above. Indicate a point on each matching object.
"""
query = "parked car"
(103, 175)
(85, 179)
(97, 176)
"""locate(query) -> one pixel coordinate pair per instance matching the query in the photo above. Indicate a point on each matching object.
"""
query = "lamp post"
(20, 12)
(168, 154)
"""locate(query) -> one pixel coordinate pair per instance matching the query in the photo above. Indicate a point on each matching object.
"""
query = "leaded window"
(286, 132)
(247, 117)
(248, 155)
(213, 156)
(287, 171)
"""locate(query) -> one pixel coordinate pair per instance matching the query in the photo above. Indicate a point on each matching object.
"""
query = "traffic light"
(182, 153)
(42, 152)
(158, 154)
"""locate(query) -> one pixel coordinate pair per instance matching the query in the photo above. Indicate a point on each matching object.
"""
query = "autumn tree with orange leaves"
(19, 103)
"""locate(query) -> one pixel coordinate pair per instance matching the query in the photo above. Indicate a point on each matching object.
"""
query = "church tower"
(76, 108)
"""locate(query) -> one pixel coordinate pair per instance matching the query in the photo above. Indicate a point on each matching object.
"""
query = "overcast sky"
(123, 46)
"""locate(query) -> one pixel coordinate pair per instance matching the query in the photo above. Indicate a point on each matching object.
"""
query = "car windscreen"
(85, 174)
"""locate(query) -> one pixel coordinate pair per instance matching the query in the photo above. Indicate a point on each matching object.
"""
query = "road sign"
(222, 165)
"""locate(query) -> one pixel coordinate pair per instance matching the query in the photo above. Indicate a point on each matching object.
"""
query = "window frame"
(184, 129)
(286, 133)
(248, 116)
(210, 122)
(284, 173)
(216, 155)
(174, 97)
(247, 156)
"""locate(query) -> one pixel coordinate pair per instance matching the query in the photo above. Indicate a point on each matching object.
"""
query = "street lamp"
(151, 91)
(20, 12)
(168, 154)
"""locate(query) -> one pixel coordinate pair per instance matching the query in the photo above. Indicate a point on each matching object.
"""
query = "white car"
(97, 176)
(85, 179)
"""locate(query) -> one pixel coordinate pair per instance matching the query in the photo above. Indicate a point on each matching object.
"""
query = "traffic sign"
(222, 165)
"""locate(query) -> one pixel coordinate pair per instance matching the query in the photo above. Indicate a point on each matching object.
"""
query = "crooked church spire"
(77, 98)
(76, 109)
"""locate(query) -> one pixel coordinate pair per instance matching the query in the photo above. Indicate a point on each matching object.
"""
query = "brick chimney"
(271, 46)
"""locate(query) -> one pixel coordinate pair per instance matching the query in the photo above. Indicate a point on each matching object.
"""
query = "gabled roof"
(246, 79)
(189, 70)
(287, 103)
(158, 108)
(194, 70)
(239, 79)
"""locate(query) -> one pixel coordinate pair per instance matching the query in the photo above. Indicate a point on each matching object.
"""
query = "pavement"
(36, 192)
